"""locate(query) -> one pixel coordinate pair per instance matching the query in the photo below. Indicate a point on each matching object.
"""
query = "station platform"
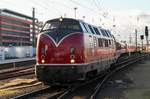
(13, 63)
(133, 82)
(15, 60)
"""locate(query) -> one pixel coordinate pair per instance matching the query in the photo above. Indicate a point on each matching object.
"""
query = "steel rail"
(17, 72)
(52, 93)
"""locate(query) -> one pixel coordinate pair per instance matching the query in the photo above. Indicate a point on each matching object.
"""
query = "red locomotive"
(69, 50)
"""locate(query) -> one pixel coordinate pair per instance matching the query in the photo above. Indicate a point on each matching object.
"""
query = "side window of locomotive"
(103, 33)
(109, 42)
(106, 43)
(100, 31)
(83, 27)
(109, 34)
(96, 30)
(86, 27)
(106, 33)
(91, 29)
(100, 42)
(113, 43)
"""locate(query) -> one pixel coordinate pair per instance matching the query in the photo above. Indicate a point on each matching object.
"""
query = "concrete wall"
(2, 56)
(19, 52)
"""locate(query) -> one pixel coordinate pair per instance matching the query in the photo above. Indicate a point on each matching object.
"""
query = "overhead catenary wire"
(50, 8)
(88, 8)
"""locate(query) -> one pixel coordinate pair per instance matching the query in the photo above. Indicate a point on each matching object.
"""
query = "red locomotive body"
(70, 50)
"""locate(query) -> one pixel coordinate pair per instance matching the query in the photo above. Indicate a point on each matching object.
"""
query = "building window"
(15, 22)
(15, 28)
(14, 33)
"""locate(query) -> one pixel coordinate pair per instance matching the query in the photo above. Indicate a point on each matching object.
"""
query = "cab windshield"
(59, 29)
(72, 26)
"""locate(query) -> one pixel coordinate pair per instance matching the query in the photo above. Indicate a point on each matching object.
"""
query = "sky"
(126, 15)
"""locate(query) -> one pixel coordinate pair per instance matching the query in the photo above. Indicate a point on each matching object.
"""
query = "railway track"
(120, 66)
(16, 72)
(46, 93)
(85, 90)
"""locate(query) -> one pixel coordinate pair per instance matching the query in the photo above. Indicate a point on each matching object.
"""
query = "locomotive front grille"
(59, 73)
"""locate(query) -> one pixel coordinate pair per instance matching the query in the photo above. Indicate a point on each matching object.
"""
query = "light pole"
(146, 34)
(136, 31)
(136, 38)
(33, 27)
(142, 37)
(75, 8)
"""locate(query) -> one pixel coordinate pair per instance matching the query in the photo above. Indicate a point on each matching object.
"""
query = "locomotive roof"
(64, 19)
(76, 20)
(71, 19)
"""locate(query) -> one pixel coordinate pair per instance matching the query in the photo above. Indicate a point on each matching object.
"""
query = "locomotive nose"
(68, 50)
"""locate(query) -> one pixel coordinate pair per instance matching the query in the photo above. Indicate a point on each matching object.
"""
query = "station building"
(16, 29)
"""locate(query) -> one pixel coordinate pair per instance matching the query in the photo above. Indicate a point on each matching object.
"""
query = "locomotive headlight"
(43, 61)
(72, 61)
